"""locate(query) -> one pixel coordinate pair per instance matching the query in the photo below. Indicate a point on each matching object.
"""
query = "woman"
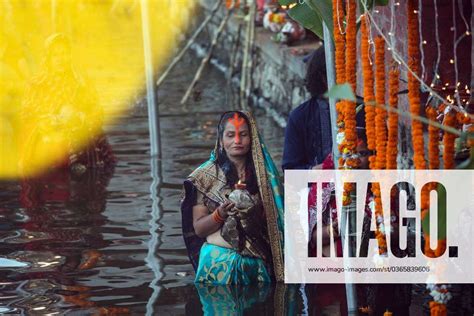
(239, 157)
(61, 117)
(308, 131)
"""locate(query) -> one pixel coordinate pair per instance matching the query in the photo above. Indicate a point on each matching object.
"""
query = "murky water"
(111, 242)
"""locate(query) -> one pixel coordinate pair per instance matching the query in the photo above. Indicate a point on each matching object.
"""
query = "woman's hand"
(225, 208)
(204, 223)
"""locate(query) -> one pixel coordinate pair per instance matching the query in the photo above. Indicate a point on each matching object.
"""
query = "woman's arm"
(205, 223)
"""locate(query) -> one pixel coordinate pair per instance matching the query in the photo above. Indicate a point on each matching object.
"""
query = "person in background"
(308, 132)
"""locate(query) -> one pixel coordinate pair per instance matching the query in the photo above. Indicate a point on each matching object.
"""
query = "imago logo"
(374, 213)
(397, 226)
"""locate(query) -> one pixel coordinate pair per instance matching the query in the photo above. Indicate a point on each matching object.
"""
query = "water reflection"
(59, 238)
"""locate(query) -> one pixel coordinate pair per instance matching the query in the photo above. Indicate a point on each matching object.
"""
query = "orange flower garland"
(448, 140)
(351, 78)
(414, 85)
(369, 97)
(339, 40)
(370, 115)
(414, 100)
(392, 142)
(351, 161)
(340, 64)
(438, 309)
(462, 118)
(433, 147)
(381, 114)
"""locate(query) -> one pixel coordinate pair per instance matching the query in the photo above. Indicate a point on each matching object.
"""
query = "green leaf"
(324, 9)
(286, 2)
(381, 2)
(308, 18)
(341, 92)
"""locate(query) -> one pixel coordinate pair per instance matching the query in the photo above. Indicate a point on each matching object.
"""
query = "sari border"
(268, 202)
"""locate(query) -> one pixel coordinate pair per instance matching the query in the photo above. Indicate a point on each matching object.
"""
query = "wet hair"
(223, 161)
(316, 80)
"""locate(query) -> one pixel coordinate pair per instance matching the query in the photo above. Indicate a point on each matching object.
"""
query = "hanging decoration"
(392, 142)
(381, 113)
(339, 52)
(448, 141)
(351, 157)
(369, 97)
(414, 85)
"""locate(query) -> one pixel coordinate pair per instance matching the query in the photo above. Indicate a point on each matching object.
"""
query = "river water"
(110, 242)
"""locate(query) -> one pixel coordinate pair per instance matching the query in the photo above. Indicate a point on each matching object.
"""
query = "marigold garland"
(448, 140)
(462, 118)
(340, 65)
(381, 114)
(339, 40)
(370, 117)
(436, 308)
(433, 132)
(392, 143)
(414, 98)
(351, 78)
(380, 139)
(351, 160)
(369, 96)
(414, 85)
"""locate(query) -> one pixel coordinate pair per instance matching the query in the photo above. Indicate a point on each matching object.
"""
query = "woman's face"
(60, 57)
(364, 155)
(236, 137)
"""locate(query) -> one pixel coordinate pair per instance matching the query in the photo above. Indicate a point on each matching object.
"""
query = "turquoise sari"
(218, 265)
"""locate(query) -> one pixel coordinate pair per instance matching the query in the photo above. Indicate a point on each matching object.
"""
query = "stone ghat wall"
(277, 75)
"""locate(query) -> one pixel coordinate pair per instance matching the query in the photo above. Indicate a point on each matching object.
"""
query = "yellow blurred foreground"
(67, 66)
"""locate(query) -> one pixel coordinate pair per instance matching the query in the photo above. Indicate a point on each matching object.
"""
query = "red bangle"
(217, 217)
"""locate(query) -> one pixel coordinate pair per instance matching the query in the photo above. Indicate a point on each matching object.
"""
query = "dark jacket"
(308, 135)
